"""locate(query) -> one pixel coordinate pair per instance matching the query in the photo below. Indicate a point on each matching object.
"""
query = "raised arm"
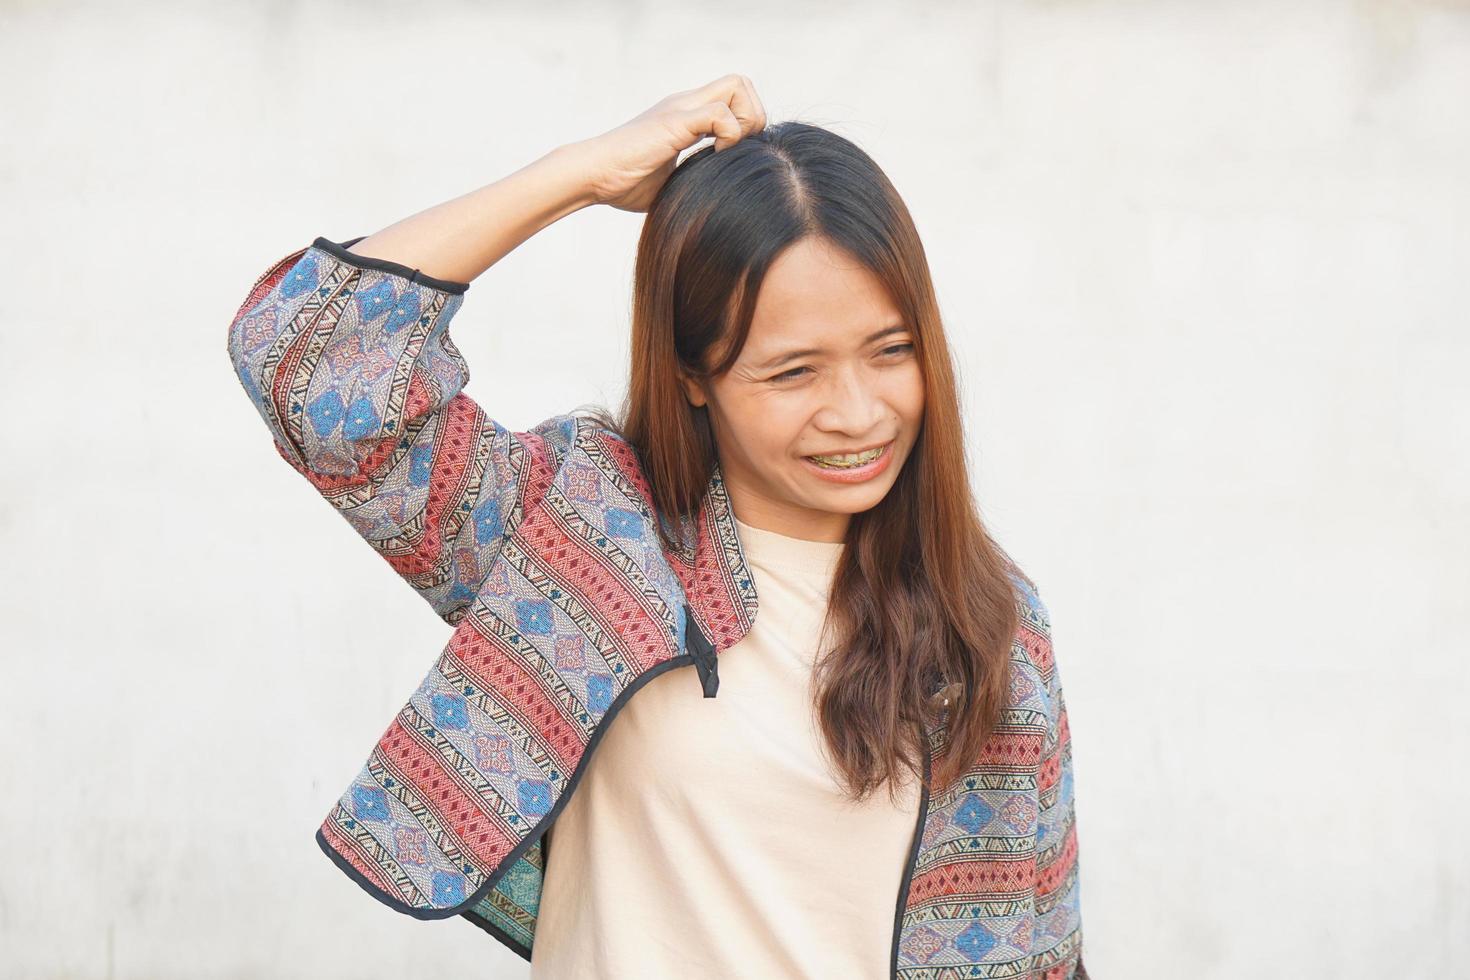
(343, 348)
(623, 168)
(461, 238)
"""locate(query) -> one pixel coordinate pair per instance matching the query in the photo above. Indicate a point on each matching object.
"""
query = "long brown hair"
(921, 594)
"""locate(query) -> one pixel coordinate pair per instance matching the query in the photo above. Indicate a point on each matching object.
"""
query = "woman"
(791, 442)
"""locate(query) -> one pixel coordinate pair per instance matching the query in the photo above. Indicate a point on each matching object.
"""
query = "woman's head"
(791, 240)
(828, 367)
(782, 309)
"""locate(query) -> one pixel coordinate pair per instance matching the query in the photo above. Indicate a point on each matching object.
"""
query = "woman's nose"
(853, 405)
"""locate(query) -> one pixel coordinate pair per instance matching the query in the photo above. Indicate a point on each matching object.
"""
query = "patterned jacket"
(540, 549)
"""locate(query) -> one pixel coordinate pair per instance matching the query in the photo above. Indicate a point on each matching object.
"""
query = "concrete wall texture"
(1204, 268)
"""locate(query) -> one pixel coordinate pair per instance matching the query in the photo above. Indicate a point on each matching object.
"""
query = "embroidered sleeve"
(1058, 935)
(349, 362)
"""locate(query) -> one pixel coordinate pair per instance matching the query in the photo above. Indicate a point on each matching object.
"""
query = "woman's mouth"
(853, 468)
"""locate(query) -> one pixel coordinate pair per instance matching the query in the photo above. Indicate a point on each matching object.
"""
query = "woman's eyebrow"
(792, 355)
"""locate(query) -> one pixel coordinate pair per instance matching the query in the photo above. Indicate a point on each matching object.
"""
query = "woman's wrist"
(575, 163)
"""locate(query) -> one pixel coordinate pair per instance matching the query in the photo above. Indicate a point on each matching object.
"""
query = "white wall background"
(1205, 266)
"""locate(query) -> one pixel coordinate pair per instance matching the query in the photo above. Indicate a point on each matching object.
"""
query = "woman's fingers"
(737, 93)
(718, 119)
(627, 165)
(758, 108)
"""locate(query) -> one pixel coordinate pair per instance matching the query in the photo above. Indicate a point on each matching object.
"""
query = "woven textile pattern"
(360, 386)
(540, 549)
(995, 889)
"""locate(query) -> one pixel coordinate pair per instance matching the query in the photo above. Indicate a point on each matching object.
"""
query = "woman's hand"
(626, 166)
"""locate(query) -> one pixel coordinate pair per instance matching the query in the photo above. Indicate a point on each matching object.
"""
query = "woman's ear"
(693, 390)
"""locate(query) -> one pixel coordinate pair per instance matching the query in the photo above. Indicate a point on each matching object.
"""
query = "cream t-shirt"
(708, 837)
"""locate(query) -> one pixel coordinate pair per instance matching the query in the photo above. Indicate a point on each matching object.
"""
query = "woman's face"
(828, 367)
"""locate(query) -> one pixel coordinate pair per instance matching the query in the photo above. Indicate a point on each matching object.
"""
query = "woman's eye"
(892, 350)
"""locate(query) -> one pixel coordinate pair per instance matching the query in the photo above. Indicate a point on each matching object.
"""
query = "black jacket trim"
(706, 660)
(908, 871)
(339, 251)
(514, 945)
(515, 854)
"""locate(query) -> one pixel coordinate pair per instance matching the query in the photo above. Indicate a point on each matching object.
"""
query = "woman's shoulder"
(1033, 610)
(1032, 645)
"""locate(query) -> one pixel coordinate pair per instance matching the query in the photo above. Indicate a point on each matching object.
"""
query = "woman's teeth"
(849, 460)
